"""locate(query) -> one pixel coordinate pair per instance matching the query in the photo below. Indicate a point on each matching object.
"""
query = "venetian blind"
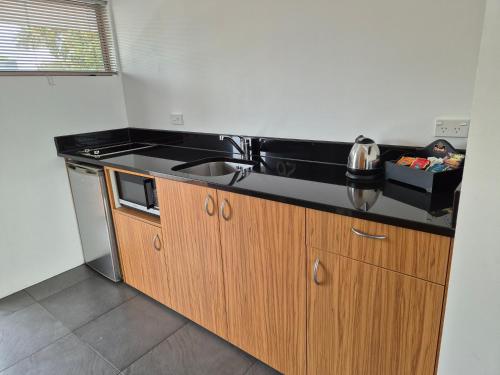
(56, 37)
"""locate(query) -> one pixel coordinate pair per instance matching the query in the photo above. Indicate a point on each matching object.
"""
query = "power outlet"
(176, 119)
(452, 128)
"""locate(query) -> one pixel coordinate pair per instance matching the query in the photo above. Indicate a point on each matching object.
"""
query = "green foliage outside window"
(70, 49)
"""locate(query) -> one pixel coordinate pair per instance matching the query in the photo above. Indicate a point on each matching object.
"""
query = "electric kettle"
(364, 160)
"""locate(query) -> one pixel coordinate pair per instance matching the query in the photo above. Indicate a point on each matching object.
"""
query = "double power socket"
(452, 128)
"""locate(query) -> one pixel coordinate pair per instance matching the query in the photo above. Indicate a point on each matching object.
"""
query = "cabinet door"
(264, 255)
(190, 224)
(142, 257)
(363, 319)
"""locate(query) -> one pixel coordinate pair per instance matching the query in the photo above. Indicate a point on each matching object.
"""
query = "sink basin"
(215, 167)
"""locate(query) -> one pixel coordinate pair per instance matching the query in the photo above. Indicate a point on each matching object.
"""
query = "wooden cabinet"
(190, 222)
(377, 305)
(238, 266)
(142, 256)
(263, 246)
(364, 319)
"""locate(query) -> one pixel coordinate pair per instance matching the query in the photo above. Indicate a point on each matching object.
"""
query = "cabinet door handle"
(315, 271)
(366, 235)
(209, 200)
(157, 243)
(225, 216)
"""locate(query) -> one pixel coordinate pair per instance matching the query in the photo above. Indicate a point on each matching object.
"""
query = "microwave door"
(137, 192)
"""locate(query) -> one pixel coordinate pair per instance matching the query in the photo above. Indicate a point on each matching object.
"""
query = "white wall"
(322, 69)
(471, 341)
(38, 232)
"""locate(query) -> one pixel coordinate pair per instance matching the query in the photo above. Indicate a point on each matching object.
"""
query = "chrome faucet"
(243, 148)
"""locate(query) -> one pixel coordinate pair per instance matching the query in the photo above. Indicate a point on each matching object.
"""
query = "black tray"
(430, 182)
(436, 204)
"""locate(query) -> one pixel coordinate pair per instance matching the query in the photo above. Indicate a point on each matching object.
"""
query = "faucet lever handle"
(244, 146)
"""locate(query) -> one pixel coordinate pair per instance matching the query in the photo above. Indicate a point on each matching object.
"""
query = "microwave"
(136, 192)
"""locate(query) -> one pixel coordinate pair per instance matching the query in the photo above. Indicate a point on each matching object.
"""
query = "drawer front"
(420, 254)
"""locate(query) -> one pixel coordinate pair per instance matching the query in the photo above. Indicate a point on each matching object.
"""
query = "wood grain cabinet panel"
(142, 256)
(368, 320)
(190, 222)
(263, 245)
(420, 254)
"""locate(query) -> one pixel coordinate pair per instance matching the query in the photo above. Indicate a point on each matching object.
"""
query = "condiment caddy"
(436, 167)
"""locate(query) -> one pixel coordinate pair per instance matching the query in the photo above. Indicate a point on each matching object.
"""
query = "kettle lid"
(363, 140)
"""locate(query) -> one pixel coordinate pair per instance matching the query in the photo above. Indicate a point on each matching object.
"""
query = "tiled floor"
(79, 323)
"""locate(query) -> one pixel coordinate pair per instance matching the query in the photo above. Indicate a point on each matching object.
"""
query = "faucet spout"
(243, 148)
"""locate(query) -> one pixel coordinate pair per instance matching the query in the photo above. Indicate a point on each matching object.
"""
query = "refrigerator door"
(95, 224)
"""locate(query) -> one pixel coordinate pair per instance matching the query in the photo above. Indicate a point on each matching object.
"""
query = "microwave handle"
(149, 193)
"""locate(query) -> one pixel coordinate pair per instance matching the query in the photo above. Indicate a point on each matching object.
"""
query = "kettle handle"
(359, 138)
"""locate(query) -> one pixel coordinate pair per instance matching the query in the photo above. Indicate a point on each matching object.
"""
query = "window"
(56, 37)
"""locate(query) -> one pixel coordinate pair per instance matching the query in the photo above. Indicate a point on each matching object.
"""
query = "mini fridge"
(95, 222)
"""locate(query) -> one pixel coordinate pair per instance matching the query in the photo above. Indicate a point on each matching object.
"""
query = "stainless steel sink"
(215, 167)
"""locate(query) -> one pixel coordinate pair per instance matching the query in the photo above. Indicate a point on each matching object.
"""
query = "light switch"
(177, 119)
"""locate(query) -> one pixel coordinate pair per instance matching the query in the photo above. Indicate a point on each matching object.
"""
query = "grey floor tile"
(127, 332)
(15, 302)
(192, 351)
(85, 301)
(67, 356)
(25, 332)
(60, 282)
(261, 369)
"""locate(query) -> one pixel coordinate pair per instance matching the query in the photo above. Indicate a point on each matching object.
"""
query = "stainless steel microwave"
(137, 192)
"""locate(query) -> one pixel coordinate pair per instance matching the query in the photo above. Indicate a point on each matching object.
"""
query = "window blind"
(56, 37)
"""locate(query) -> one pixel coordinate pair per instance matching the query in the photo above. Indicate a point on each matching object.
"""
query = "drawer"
(420, 254)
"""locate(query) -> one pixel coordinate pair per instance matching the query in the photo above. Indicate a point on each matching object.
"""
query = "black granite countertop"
(318, 184)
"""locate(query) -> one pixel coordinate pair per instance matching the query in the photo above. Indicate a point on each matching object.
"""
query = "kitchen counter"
(320, 185)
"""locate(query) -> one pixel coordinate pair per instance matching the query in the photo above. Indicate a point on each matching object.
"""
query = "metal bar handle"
(209, 200)
(149, 193)
(157, 243)
(367, 235)
(315, 271)
(223, 210)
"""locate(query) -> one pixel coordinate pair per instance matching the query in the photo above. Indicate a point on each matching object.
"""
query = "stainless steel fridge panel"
(95, 224)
